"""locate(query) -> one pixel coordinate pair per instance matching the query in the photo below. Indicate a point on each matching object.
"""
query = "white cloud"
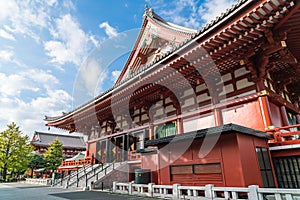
(91, 76)
(68, 4)
(26, 95)
(211, 9)
(40, 77)
(6, 9)
(182, 12)
(55, 100)
(60, 53)
(70, 44)
(32, 80)
(24, 16)
(16, 110)
(89, 81)
(6, 55)
(94, 41)
(115, 75)
(190, 13)
(51, 2)
(109, 30)
(4, 34)
(41, 98)
(12, 85)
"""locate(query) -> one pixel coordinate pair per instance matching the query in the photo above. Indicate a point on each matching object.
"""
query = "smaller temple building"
(72, 145)
(239, 157)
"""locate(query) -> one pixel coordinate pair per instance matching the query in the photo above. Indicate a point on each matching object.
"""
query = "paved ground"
(16, 191)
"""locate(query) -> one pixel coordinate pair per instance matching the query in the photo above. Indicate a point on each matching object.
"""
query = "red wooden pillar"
(284, 116)
(265, 110)
(218, 117)
(264, 103)
(179, 126)
(151, 132)
(87, 151)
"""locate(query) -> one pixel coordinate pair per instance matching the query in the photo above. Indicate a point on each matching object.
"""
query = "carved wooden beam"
(258, 62)
(269, 36)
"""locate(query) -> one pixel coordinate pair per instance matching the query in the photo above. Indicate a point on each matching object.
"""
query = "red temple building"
(217, 106)
(72, 145)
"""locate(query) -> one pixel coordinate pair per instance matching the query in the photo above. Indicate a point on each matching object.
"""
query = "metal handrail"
(72, 175)
(86, 175)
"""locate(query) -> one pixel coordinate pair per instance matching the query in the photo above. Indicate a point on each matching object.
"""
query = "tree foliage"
(14, 150)
(36, 161)
(54, 155)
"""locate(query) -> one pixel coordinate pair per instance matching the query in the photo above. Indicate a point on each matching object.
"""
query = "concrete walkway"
(22, 191)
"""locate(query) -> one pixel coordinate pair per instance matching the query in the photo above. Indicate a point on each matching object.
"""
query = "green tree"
(54, 155)
(35, 161)
(14, 150)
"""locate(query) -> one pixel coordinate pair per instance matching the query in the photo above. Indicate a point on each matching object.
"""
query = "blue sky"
(45, 46)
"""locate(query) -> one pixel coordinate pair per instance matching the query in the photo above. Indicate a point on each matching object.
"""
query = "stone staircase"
(87, 175)
(73, 176)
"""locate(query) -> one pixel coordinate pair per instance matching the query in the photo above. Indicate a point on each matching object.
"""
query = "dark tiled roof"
(68, 141)
(228, 128)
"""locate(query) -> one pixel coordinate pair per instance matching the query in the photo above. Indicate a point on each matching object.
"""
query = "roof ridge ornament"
(148, 11)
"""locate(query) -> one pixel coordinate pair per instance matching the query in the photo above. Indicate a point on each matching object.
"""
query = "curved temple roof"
(215, 36)
(68, 141)
(151, 14)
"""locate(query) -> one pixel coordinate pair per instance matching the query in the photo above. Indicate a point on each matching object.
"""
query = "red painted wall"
(235, 152)
(250, 166)
(248, 115)
(275, 115)
(231, 163)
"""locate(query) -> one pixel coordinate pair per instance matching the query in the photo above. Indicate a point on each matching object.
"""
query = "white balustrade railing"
(39, 181)
(164, 191)
(176, 191)
(186, 192)
(278, 194)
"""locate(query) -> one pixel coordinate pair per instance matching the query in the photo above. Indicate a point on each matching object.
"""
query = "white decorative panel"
(240, 72)
(136, 119)
(124, 123)
(170, 108)
(197, 124)
(136, 111)
(189, 102)
(144, 117)
(201, 87)
(168, 100)
(243, 83)
(188, 92)
(227, 89)
(226, 77)
(159, 112)
(203, 97)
